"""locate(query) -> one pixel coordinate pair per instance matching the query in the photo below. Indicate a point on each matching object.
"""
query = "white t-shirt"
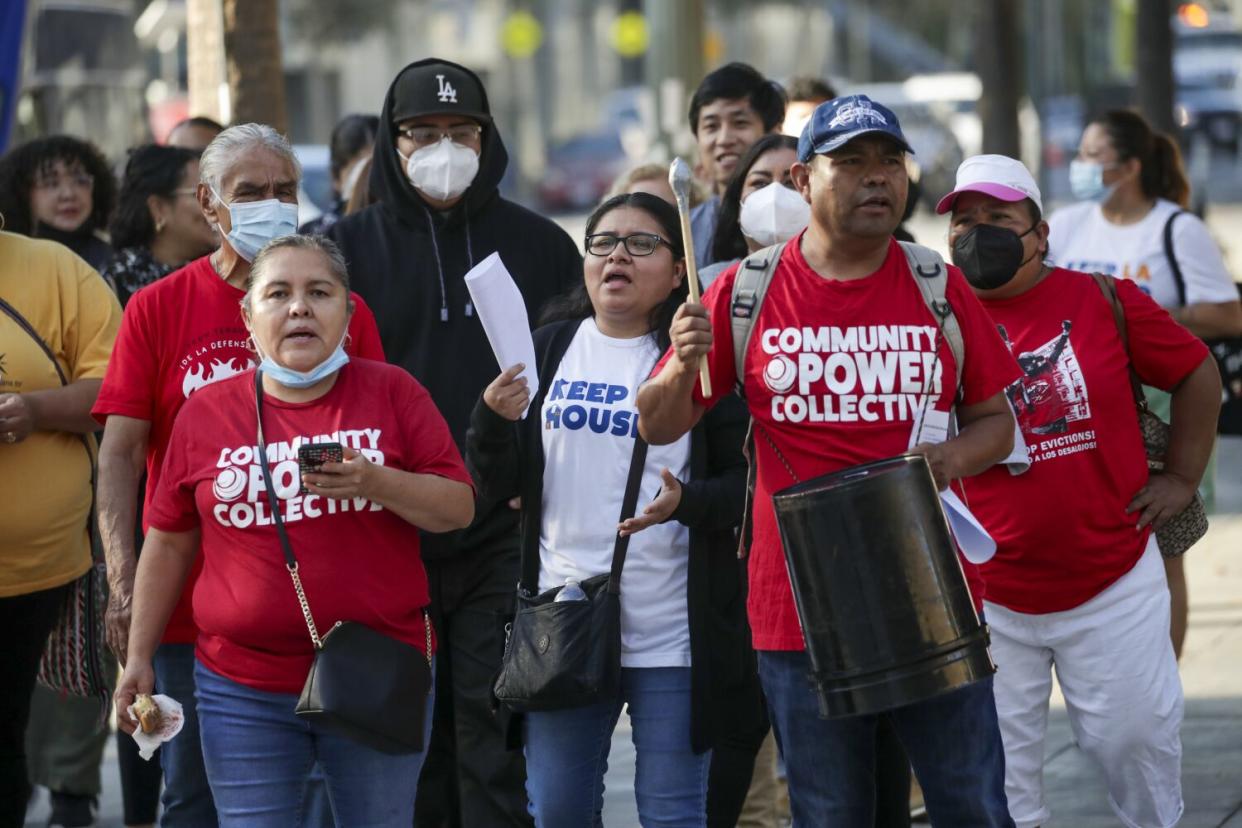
(1082, 239)
(589, 424)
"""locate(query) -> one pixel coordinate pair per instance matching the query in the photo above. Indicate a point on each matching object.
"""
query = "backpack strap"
(754, 275)
(932, 278)
(1178, 280)
(750, 285)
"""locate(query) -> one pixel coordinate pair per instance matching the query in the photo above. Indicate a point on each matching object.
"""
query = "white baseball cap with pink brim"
(996, 175)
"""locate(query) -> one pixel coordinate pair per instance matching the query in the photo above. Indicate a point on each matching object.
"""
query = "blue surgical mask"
(1087, 181)
(255, 223)
(304, 379)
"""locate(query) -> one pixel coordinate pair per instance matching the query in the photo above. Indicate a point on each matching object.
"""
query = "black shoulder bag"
(1226, 350)
(364, 685)
(567, 654)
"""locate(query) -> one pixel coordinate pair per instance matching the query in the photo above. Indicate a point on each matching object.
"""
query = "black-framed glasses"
(425, 136)
(636, 244)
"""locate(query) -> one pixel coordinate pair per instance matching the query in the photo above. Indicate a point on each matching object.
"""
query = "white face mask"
(773, 214)
(351, 178)
(443, 170)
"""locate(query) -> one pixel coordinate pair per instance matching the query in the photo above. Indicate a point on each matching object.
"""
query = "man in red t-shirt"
(1077, 579)
(842, 295)
(178, 335)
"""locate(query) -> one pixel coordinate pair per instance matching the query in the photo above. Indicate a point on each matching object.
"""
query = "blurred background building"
(582, 88)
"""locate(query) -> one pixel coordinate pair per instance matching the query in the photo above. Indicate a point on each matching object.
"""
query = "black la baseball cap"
(438, 87)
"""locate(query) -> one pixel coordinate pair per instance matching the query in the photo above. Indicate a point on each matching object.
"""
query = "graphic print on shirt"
(866, 373)
(6, 382)
(214, 356)
(595, 406)
(1050, 397)
(241, 495)
(1140, 275)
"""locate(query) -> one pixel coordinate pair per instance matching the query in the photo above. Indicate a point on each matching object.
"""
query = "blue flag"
(12, 25)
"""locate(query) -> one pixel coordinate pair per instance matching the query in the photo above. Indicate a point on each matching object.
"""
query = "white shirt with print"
(1082, 239)
(589, 423)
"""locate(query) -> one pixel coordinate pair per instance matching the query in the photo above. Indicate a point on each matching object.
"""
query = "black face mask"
(990, 256)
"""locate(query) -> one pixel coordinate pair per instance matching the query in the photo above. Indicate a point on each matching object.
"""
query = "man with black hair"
(732, 108)
(437, 164)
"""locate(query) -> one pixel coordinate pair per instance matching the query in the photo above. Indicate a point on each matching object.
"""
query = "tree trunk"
(255, 74)
(204, 56)
(674, 63)
(1154, 54)
(999, 60)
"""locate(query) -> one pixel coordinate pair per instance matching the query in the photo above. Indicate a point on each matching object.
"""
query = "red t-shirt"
(1061, 529)
(358, 561)
(179, 334)
(873, 338)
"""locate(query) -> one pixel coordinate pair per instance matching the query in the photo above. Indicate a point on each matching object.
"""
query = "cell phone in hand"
(312, 456)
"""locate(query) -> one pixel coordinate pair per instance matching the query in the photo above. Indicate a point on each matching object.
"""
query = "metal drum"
(885, 610)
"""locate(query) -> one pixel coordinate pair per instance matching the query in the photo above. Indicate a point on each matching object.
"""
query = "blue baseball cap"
(837, 122)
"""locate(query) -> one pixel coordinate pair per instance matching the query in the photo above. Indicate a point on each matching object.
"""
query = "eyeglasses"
(182, 191)
(424, 136)
(636, 244)
(81, 181)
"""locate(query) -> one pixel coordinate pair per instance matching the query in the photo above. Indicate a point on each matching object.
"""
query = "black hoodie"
(408, 262)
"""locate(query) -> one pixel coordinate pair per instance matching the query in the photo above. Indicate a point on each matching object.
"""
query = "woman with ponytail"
(1131, 224)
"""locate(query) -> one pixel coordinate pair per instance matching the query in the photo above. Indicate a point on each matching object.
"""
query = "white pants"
(1117, 671)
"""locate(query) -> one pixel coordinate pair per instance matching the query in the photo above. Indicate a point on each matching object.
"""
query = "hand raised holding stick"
(679, 176)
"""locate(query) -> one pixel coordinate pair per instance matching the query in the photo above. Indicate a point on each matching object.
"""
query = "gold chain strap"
(310, 621)
(306, 612)
(293, 567)
(427, 627)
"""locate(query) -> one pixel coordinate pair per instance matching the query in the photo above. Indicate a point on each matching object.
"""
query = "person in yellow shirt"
(58, 320)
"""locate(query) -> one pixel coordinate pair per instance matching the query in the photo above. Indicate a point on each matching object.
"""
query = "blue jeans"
(187, 796)
(953, 742)
(261, 757)
(567, 755)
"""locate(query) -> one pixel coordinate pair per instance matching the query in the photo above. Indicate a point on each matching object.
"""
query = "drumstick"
(679, 176)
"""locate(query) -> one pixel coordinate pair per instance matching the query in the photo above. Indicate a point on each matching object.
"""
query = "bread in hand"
(148, 713)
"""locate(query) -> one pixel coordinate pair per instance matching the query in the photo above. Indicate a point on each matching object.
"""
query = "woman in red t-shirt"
(1077, 579)
(353, 527)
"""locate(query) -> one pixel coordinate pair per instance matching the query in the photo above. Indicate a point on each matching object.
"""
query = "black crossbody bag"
(1227, 350)
(364, 685)
(568, 654)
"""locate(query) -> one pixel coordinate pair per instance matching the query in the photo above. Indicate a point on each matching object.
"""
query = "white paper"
(974, 541)
(172, 718)
(1018, 460)
(929, 427)
(502, 311)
